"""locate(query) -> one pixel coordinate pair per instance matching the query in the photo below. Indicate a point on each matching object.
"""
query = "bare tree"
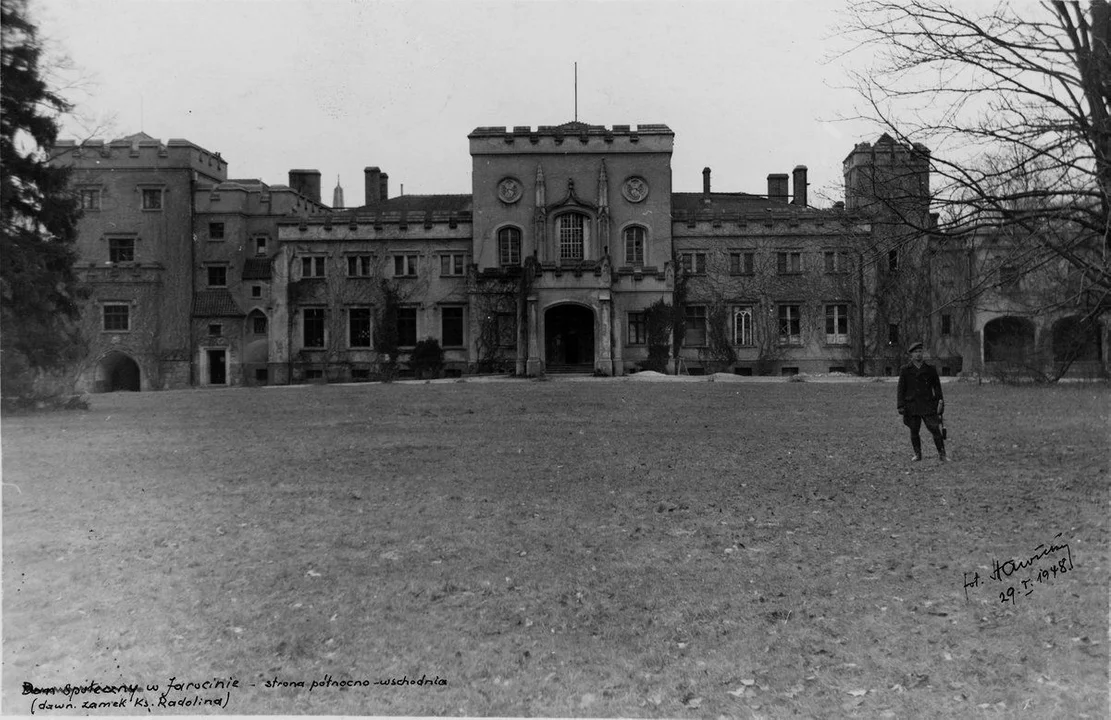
(1015, 103)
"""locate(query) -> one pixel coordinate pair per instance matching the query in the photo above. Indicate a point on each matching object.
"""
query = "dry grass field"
(565, 548)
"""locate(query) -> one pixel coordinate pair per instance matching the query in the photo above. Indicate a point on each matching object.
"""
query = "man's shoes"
(916, 458)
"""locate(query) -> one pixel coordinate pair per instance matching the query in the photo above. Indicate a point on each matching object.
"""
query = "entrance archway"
(117, 371)
(1009, 339)
(569, 337)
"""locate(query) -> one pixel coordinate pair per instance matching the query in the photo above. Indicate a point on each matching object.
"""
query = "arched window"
(634, 245)
(509, 246)
(572, 236)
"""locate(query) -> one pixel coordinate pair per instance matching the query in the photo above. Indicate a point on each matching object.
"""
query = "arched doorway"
(1076, 339)
(569, 338)
(1009, 339)
(117, 371)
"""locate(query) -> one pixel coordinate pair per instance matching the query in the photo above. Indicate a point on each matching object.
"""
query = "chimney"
(306, 182)
(705, 181)
(384, 187)
(799, 180)
(373, 193)
(777, 187)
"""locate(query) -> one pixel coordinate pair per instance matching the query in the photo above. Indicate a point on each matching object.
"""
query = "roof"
(710, 205)
(139, 136)
(570, 128)
(419, 204)
(256, 269)
(215, 303)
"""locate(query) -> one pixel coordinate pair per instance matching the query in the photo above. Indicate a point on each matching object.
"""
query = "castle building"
(561, 258)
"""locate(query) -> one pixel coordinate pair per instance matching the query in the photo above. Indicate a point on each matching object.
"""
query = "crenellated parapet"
(572, 137)
(141, 152)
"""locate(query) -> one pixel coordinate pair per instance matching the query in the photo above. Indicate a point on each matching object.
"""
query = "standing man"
(920, 401)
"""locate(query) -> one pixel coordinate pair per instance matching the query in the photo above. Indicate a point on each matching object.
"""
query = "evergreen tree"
(39, 292)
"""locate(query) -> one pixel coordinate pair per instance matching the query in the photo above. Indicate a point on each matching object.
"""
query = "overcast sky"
(749, 88)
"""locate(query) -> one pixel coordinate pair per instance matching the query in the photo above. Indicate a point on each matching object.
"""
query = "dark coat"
(919, 390)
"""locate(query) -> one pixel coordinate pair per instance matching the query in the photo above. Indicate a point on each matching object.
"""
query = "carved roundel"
(509, 190)
(635, 189)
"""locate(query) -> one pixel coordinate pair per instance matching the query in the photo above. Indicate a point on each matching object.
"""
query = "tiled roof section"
(215, 303)
(701, 205)
(256, 269)
(414, 207)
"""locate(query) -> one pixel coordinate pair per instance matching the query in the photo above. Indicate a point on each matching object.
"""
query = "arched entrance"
(117, 371)
(569, 338)
(1076, 339)
(1009, 339)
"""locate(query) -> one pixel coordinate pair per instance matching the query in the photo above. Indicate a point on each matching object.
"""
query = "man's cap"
(914, 346)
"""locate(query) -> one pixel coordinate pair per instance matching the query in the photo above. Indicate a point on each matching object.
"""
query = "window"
(358, 265)
(117, 317)
(837, 324)
(152, 198)
(837, 261)
(217, 276)
(358, 327)
(451, 326)
(509, 246)
(695, 316)
(89, 198)
(946, 324)
(406, 326)
(507, 330)
(638, 333)
(893, 334)
(693, 263)
(121, 250)
(260, 245)
(790, 325)
(405, 265)
(258, 324)
(572, 236)
(634, 246)
(216, 231)
(742, 263)
(215, 330)
(313, 330)
(312, 266)
(788, 263)
(256, 291)
(893, 260)
(1008, 277)
(452, 264)
(742, 326)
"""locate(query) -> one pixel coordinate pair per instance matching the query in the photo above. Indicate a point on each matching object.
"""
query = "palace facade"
(558, 259)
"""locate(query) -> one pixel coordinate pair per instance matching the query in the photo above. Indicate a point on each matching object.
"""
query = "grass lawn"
(591, 548)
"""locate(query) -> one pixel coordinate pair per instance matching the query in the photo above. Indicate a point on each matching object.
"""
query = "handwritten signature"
(1002, 571)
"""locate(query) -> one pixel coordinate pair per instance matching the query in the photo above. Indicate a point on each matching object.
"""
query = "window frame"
(748, 312)
(457, 264)
(359, 265)
(695, 316)
(408, 262)
(408, 310)
(113, 250)
(357, 336)
(146, 193)
(509, 246)
(836, 262)
(105, 314)
(217, 232)
(261, 243)
(255, 321)
(638, 236)
(444, 310)
(570, 236)
(693, 262)
(742, 262)
(789, 318)
(788, 262)
(88, 199)
(946, 324)
(209, 269)
(316, 264)
(318, 315)
(839, 317)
